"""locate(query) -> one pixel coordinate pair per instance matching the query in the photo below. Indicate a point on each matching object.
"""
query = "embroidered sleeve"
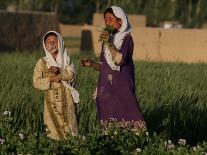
(38, 81)
(67, 75)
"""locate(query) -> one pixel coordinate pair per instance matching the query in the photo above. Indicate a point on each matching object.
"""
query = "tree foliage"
(190, 13)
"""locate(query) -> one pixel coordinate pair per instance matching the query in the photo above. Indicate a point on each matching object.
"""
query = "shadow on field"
(182, 118)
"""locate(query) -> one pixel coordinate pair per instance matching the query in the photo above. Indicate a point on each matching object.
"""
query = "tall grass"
(172, 95)
(17, 94)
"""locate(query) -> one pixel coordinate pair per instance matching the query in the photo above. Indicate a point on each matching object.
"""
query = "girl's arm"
(96, 66)
(116, 54)
(121, 56)
(67, 75)
(38, 81)
(86, 62)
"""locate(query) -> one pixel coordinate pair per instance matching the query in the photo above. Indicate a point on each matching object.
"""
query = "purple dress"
(117, 99)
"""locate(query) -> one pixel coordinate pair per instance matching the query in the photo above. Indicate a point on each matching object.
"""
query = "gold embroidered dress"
(59, 110)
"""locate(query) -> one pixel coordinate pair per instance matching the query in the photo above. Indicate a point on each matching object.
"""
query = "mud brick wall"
(24, 30)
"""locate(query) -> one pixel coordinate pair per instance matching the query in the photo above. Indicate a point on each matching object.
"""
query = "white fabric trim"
(118, 37)
(62, 61)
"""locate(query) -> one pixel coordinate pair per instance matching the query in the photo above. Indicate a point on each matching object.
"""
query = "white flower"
(2, 141)
(21, 136)
(169, 141)
(182, 141)
(138, 150)
(147, 133)
(171, 146)
(115, 133)
(83, 138)
(198, 146)
(194, 148)
(6, 113)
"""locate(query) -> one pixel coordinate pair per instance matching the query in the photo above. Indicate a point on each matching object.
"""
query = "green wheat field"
(172, 96)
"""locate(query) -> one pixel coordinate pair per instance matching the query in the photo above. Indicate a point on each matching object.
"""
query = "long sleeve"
(126, 51)
(67, 75)
(39, 81)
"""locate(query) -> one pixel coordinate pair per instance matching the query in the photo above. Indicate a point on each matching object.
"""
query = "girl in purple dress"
(115, 97)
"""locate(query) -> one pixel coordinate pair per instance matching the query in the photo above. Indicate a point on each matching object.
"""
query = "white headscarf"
(62, 61)
(118, 37)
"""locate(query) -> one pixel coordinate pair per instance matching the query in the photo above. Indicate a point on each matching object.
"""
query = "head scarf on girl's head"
(125, 26)
(62, 62)
(119, 36)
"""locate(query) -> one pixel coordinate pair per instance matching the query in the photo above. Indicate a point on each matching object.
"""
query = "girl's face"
(51, 44)
(113, 21)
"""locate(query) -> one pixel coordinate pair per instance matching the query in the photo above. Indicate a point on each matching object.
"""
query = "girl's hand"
(105, 36)
(55, 79)
(86, 62)
(54, 70)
